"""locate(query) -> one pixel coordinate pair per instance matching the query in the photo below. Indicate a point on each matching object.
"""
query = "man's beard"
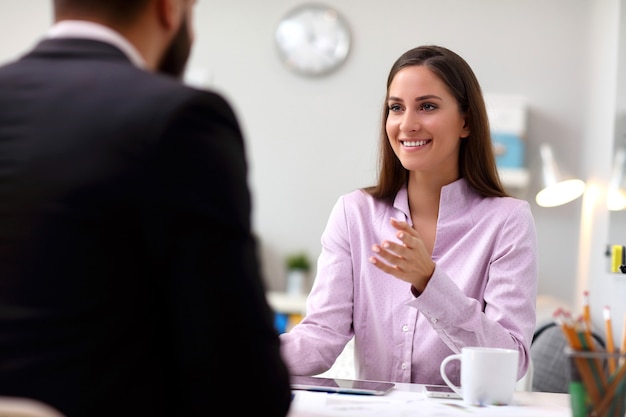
(175, 57)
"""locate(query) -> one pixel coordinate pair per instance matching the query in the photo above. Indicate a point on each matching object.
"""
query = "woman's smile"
(415, 143)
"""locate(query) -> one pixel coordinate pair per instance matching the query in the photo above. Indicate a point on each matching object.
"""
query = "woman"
(436, 255)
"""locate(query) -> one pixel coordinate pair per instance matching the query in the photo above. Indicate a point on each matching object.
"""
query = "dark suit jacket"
(129, 277)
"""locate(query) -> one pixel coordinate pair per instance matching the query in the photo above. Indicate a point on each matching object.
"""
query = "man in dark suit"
(129, 277)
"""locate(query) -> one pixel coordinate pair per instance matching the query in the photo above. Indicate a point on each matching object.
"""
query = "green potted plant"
(298, 261)
(298, 266)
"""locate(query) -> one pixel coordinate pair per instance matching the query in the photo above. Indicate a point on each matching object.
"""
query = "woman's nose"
(410, 123)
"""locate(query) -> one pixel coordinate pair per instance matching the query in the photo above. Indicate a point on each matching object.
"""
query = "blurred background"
(311, 139)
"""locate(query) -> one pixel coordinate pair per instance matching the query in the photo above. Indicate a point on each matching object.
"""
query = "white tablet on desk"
(342, 386)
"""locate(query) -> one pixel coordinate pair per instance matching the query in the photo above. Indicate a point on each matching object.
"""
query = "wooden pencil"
(610, 345)
(622, 347)
(587, 310)
(563, 319)
(587, 344)
(609, 394)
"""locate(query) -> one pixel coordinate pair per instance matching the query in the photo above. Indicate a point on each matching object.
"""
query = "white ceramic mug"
(488, 375)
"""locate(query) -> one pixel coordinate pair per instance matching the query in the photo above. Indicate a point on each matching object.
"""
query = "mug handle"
(442, 370)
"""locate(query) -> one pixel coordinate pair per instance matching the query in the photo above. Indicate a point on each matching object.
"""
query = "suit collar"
(78, 29)
(77, 49)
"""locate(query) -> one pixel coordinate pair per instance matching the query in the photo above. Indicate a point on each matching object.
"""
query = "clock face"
(313, 39)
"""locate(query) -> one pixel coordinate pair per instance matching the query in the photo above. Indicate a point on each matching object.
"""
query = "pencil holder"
(597, 384)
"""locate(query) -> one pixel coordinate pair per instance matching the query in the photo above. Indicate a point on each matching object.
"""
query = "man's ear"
(167, 12)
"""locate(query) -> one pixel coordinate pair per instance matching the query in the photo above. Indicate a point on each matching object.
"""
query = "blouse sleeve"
(312, 346)
(505, 317)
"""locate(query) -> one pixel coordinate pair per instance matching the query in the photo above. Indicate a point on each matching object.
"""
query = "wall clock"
(313, 39)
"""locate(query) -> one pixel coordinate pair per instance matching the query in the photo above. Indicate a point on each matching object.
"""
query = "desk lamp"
(557, 188)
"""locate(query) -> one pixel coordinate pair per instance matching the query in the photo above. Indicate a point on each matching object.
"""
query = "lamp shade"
(616, 194)
(557, 189)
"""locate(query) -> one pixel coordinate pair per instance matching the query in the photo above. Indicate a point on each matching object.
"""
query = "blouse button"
(405, 328)
(433, 320)
(403, 365)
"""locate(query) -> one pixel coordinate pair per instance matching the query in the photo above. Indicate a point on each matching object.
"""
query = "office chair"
(547, 351)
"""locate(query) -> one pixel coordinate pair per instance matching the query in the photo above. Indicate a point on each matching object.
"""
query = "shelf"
(282, 302)
(514, 177)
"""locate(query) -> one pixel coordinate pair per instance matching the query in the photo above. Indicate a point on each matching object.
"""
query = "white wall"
(22, 23)
(310, 140)
(608, 22)
(314, 139)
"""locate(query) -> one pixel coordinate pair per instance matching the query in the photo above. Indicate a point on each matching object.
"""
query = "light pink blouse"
(482, 292)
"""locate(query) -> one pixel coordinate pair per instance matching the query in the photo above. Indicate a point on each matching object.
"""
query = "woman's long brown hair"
(476, 158)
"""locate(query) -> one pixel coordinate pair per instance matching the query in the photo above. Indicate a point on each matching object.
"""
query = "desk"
(408, 400)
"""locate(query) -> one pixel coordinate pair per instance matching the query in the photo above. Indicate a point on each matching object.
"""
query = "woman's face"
(424, 124)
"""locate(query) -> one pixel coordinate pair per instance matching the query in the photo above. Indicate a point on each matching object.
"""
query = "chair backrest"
(547, 351)
(26, 407)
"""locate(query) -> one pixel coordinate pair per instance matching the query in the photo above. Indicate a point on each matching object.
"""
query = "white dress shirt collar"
(90, 30)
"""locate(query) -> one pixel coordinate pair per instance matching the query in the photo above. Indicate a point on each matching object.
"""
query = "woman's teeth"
(414, 143)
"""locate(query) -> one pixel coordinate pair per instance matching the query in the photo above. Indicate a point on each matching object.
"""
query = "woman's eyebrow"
(420, 98)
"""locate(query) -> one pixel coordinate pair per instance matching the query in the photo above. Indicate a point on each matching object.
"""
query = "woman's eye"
(394, 107)
(428, 106)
